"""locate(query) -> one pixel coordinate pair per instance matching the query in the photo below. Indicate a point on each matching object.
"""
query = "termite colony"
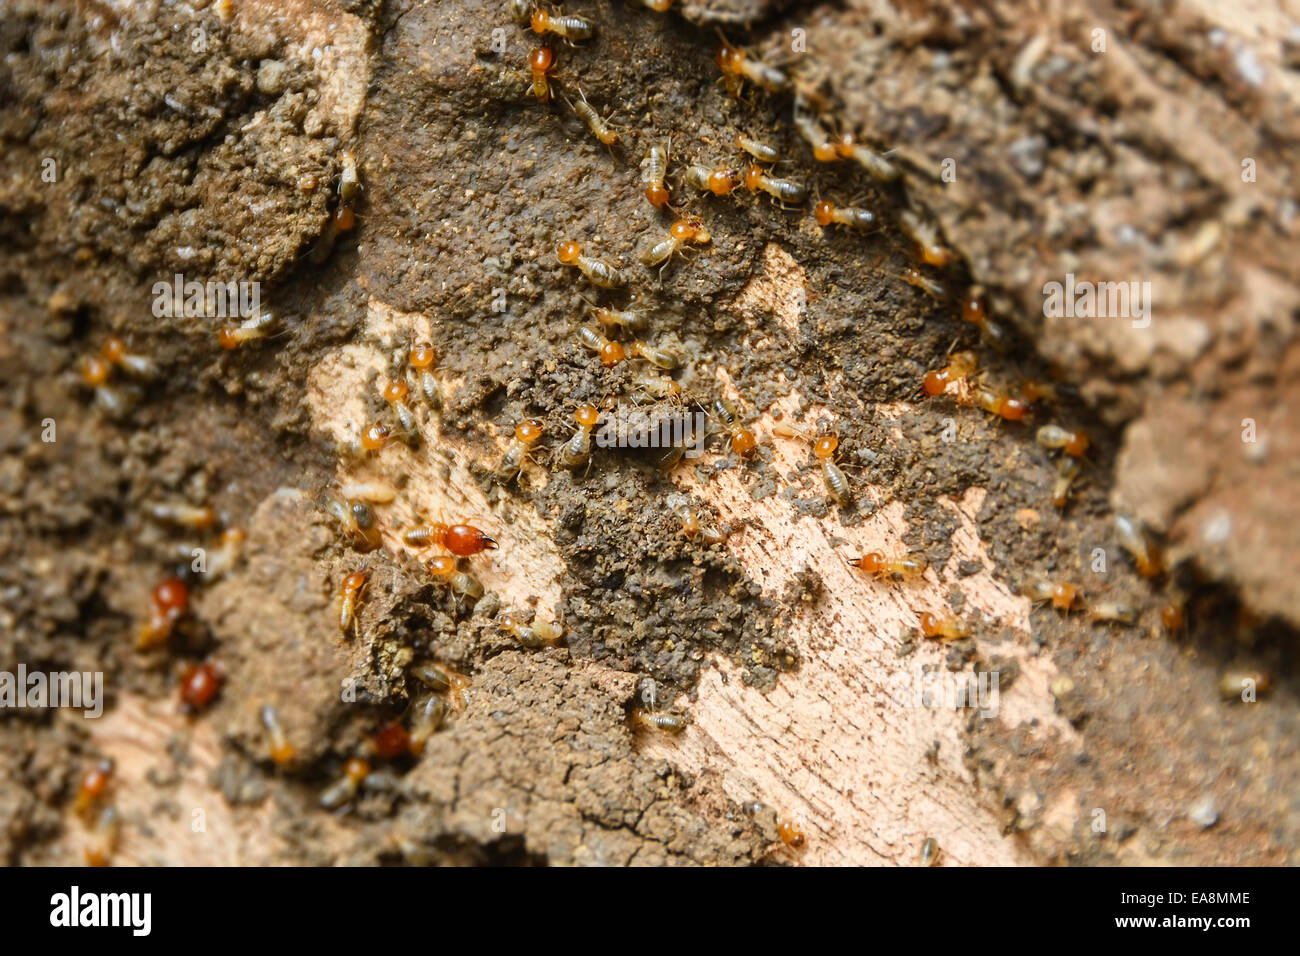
(412, 399)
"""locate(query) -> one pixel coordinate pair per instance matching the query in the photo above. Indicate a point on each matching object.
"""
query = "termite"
(342, 220)
(358, 523)
(791, 833)
(1000, 403)
(930, 852)
(349, 597)
(681, 232)
(761, 151)
(200, 684)
(1236, 681)
(742, 440)
(534, 635)
(379, 492)
(569, 27)
(823, 147)
(223, 557)
(395, 394)
(837, 485)
(875, 164)
(1037, 390)
(1114, 612)
(444, 568)
(597, 272)
(961, 366)
(945, 628)
(783, 190)
(200, 518)
(422, 358)
(462, 540)
(94, 785)
(171, 600)
(926, 236)
(114, 401)
(658, 6)
(372, 439)
(595, 122)
(919, 280)
(1172, 617)
(527, 434)
(655, 168)
(577, 450)
(618, 318)
(656, 386)
(540, 62)
(680, 505)
(1062, 595)
(114, 350)
(720, 181)
(349, 180)
(902, 567)
(1073, 443)
(660, 357)
(650, 720)
(827, 214)
(432, 677)
(711, 535)
(973, 311)
(430, 719)
(282, 752)
(345, 788)
(104, 838)
(1133, 539)
(375, 437)
(220, 559)
(610, 352)
(389, 742)
(258, 327)
(736, 65)
(1067, 471)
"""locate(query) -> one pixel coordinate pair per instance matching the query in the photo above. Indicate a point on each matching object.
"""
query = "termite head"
(541, 59)
(743, 441)
(528, 431)
(727, 57)
(423, 355)
(824, 447)
(723, 181)
(441, 566)
(94, 371)
(611, 353)
(935, 254)
(113, 349)
(375, 437)
(689, 230)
